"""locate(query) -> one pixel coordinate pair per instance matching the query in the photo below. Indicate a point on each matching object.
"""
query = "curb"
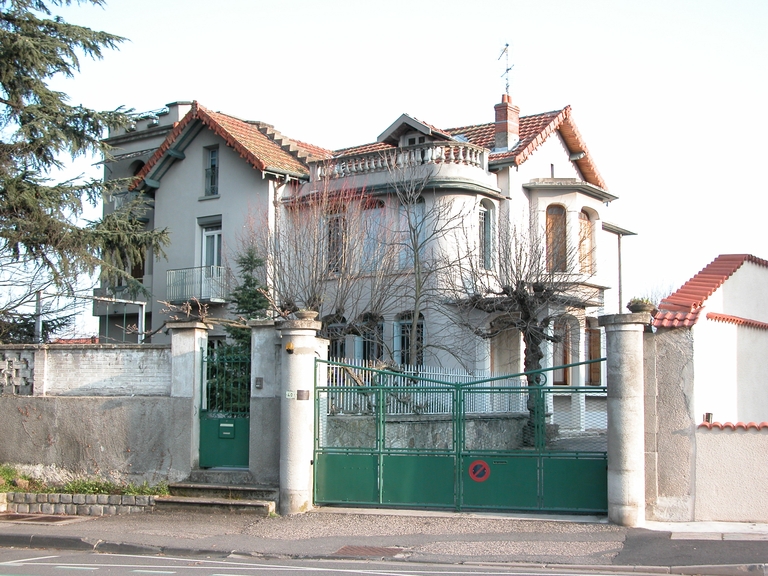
(79, 544)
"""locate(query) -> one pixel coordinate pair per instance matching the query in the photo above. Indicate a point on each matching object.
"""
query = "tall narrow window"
(372, 333)
(212, 172)
(586, 247)
(593, 352)
(337, 231)
(409, 340)
(413, 232)
(373, 231)
(212, 271)
(336, 331)
(561, 354)
(485, 236)
(556, 239)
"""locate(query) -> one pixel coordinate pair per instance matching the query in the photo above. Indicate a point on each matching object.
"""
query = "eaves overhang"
(618, 230)
(567, 184)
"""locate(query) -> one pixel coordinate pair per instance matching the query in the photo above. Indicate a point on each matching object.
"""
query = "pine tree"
(41, 238)
(248, 298)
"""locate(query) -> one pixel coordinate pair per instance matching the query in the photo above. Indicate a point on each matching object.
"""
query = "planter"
(637, 307)
(305, 314)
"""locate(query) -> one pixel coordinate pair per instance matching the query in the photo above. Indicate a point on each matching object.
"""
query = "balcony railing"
(211, 181)
(206, 283)
(401, 158)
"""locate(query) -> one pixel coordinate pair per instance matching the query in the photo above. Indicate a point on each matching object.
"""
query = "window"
(372, 336)
(561, 353)
(337, 232)
(373, 240)
(212, 245)
(593, 352)
(336, 332)
(212, 172)
(586, 247)
(413, 232)
(485, 236)
(556, 239)
(407, 350)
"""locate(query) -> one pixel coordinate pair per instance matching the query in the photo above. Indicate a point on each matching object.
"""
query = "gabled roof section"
(407, 123)
(534, 130)
(683, 307)
(256, 142)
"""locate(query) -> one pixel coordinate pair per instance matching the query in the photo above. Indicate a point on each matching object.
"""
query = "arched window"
(556, 239)
(335, 330)
(485, 239)
(372, 336)
(586, 243)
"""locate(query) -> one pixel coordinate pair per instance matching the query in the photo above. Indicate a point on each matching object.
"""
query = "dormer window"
(413, 140)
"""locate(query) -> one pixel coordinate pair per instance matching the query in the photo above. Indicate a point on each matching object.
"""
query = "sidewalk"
(417, 536)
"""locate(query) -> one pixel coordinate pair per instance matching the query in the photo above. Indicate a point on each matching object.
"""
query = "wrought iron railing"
(204, 283)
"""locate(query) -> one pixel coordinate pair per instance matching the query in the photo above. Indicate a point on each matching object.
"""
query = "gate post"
(626, 421)
(188, 341)
(300, 347)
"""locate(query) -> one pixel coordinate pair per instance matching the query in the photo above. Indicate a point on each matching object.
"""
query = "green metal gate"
(225, 408)
(389, 438)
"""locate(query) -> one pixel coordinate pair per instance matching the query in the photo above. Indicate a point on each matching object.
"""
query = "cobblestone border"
(75, 504)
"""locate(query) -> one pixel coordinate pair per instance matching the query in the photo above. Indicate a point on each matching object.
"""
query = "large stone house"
(211, 179)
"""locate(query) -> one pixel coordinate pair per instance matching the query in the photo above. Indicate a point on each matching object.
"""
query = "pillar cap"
(298, 325)
(188, 325)
(260, 322)
(639, 318)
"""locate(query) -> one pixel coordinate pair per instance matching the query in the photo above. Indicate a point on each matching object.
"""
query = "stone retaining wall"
(74, 504)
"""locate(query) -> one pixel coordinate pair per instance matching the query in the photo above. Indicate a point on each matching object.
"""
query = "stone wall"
(118, 438)
(86, 370)
(74, 504)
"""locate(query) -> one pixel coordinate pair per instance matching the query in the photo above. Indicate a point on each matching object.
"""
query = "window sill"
(210, 197)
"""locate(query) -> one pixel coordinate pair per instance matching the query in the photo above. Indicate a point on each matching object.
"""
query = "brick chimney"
(507, 133)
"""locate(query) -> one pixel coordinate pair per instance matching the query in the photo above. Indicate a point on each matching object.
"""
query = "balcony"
(205, 283)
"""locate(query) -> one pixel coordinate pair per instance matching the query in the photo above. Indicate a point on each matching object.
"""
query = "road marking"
(153, 571)
(26, 560)
(77, 567)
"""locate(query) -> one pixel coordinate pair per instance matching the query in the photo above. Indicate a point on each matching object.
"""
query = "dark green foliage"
(248, 298)
(20, 328)
(39, 229)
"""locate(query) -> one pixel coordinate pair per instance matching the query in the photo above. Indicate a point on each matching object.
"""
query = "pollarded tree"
(40, 230)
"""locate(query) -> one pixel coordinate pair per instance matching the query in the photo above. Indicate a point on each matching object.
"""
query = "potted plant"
(636, 305)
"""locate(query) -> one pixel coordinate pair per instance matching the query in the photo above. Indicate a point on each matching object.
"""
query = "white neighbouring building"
(207, 175)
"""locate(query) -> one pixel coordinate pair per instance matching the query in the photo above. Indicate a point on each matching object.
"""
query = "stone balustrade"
(435, 153)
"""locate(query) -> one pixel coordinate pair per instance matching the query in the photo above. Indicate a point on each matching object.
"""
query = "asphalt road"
(61, 563)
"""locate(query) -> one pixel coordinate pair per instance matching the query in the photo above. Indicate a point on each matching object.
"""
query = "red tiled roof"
(682, 308)
(736, 426)
(244, 137)
(534, 130)
(717, 317)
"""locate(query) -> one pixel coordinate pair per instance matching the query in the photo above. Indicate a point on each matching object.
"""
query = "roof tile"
(681, 309)
(735, 426)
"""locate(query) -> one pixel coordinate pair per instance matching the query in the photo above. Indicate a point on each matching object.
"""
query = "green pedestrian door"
(225, 408)
(408, 439)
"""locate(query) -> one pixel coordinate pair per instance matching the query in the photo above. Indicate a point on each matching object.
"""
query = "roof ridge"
(285, 143)
(557, 110)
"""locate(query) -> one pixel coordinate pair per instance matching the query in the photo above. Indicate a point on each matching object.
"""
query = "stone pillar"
(266, 360)
(189, 341)
(626, 430)
(299, 348)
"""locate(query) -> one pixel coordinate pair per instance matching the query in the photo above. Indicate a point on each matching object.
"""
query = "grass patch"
(12, 481)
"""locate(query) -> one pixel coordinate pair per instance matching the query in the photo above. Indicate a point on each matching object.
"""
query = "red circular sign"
(479, 471)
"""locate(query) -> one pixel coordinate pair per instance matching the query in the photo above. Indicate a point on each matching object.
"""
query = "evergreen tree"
(40, 233)
(248, 298)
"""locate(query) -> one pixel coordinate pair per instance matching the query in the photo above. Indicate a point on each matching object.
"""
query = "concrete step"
(229, 476)
(228, 491)
(259, 507)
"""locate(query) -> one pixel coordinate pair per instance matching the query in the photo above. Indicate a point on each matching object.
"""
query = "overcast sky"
(670, 95)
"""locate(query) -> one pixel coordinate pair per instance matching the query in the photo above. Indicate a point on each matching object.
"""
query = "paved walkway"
(534, 541)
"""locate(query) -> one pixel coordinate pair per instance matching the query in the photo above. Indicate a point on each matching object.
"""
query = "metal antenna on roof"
(505, 51)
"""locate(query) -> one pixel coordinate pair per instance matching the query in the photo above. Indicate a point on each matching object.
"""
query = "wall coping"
(121, 346)
(639, 318)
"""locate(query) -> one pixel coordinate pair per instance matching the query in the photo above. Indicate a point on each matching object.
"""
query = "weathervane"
(504, 52)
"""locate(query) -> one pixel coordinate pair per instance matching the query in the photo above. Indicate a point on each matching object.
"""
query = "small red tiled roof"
(245, 138)
(735, 426)
(682, 308)
(717, 317)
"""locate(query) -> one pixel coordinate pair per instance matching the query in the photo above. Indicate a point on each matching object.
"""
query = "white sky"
(669, 94)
